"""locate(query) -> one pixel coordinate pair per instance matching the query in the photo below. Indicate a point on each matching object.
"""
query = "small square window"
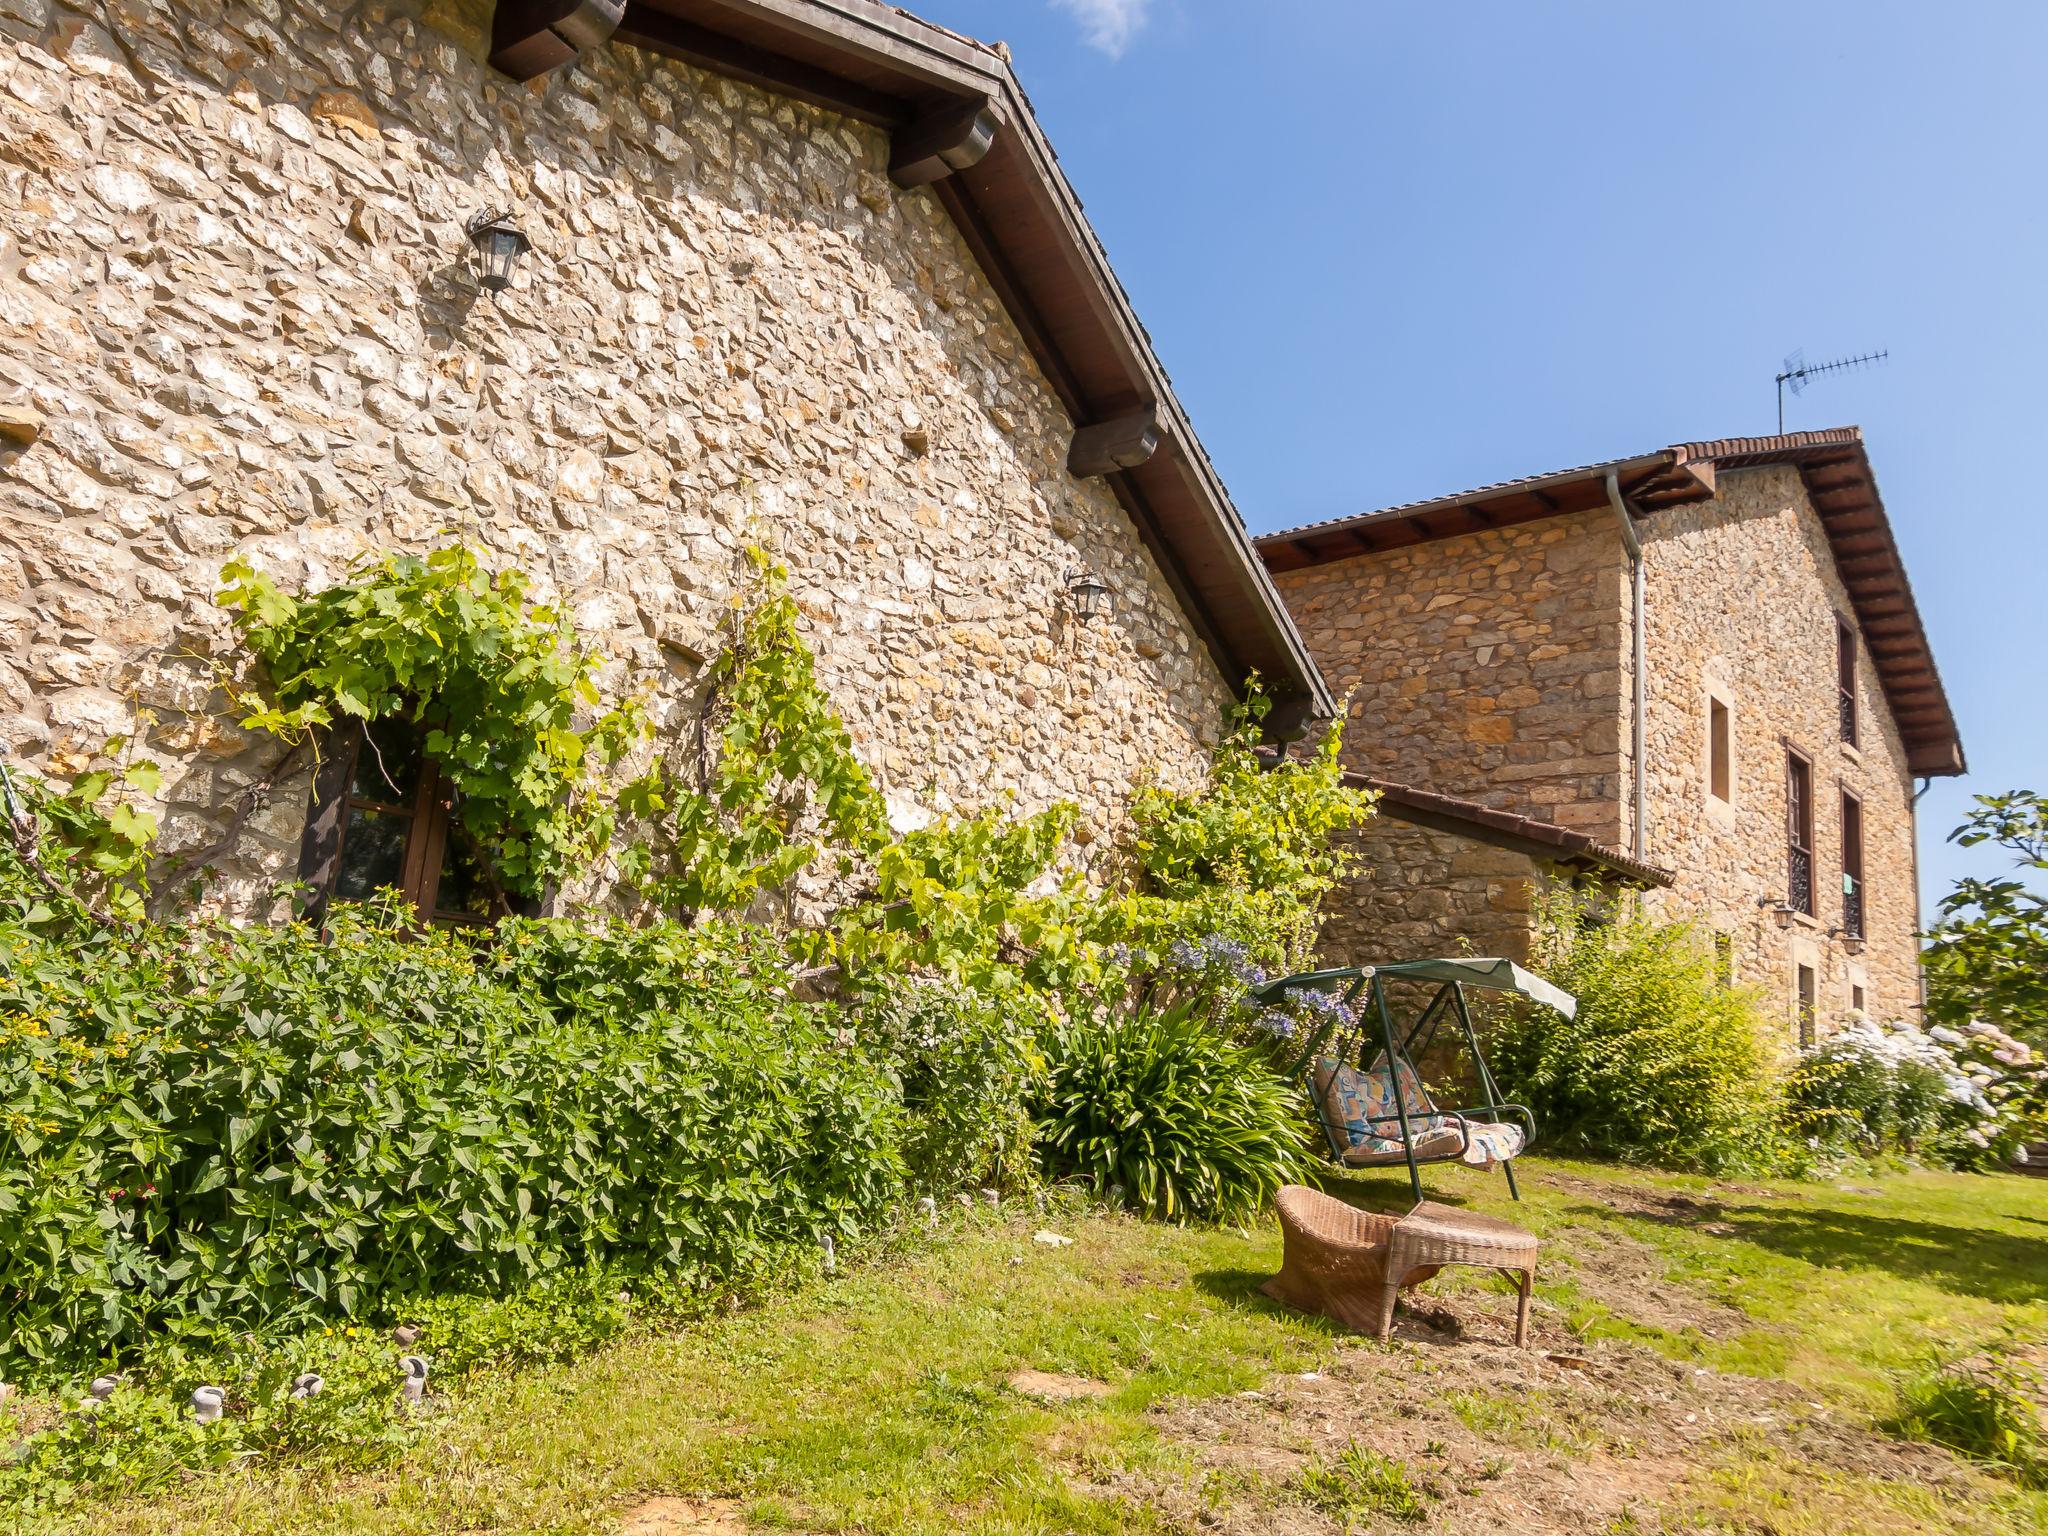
(383, 815)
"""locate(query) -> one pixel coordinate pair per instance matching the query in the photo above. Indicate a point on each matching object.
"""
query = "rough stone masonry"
(237, 318)
(1496, 666)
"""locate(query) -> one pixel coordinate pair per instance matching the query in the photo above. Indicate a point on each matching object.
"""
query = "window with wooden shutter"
(1852, 866)
(384, 816)
(1799, 833)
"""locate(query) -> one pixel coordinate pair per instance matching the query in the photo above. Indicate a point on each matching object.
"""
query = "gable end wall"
(1743, 597)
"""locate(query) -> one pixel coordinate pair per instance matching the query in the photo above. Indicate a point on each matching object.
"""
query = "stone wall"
(1418, 892)
(236, 318)
(1487, 666)
(1743, 595)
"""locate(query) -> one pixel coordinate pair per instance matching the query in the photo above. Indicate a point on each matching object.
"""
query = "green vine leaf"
(497, 682)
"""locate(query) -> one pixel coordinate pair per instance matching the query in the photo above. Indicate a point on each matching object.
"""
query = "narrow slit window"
(1720, 752)
(1808, 993)
(1845, 677)
(1724, 958)
(1856, 1001)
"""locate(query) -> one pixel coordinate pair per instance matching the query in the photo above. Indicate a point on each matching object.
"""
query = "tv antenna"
(1798, 370)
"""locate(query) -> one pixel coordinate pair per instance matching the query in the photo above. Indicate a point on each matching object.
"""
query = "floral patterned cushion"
(1491, 1142)
(1359, 1107)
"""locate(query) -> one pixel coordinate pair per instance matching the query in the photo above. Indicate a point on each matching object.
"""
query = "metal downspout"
(1639, 840)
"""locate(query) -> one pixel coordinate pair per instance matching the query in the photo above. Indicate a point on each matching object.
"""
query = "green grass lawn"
(878, 1402)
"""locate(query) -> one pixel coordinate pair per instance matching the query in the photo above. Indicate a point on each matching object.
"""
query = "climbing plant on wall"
(777, 779)
(495, 682)
(1253, 852)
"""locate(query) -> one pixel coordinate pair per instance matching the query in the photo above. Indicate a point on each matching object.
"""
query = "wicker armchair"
(1333, 1258)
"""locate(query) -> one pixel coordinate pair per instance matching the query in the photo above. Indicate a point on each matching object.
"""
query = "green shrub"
(1984, 1410)
(1158, 1105)
(1662, 1063)
(207, 1129)
(961, 1059)
(1250, 855)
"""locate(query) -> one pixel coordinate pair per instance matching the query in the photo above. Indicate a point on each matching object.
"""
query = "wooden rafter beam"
(934, 147)
(1108, 446)
(531, 37)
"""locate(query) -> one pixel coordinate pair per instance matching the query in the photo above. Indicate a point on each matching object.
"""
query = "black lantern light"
(499, 245)
(1090, 594)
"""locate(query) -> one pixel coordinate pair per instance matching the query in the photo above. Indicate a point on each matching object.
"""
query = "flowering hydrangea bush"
(1963, 1097)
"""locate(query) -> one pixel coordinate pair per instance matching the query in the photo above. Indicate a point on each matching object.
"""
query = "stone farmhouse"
(800, 272)
(1699, 671)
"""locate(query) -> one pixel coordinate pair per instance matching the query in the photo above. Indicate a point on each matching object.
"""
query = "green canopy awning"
(1500, 975)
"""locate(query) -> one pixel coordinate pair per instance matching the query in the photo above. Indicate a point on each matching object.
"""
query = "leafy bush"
(960, 1059)
(1158, 1105)
(1251, 855)
(1965, 1098)
(1987, 957)
(206, 1129)
(1662, 1064)
(1983, 1409)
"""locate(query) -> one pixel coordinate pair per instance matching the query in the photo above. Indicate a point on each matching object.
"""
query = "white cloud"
(1108, 24)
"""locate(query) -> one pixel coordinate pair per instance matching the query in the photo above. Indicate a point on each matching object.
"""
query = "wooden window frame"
(1799, 819)
(429, 826)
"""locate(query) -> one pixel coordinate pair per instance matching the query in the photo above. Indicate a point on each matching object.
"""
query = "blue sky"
(1392, 251)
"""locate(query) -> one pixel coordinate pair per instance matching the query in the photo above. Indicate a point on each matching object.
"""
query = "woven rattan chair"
(1432, 1235)
(1334, 1258)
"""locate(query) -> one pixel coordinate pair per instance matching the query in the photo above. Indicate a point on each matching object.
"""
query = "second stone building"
(1698, 670)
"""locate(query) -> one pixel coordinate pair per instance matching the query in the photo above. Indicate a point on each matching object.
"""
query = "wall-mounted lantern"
(1089, 594)
(499, 245)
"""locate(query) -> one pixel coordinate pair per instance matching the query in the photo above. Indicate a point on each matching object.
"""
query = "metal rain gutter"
(1638, 836)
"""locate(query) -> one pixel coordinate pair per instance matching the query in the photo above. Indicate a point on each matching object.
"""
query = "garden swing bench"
(1385, 1089)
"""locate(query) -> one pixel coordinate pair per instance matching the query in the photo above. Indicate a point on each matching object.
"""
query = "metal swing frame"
(1453, 977)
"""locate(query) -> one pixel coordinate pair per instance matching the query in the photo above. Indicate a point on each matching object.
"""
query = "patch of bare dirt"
(1627, 1277)
(1666, 1205)
(670, 1516)
(1048, 1387)
(1561, 1439)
